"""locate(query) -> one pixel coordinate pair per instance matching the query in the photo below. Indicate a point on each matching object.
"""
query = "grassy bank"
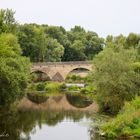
(126, 123)
(45, 86)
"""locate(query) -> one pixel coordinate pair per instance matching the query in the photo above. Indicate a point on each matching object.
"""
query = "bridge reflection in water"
(58, 71)
(54, 119)
(57, 103)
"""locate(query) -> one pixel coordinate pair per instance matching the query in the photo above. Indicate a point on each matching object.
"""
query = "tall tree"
(54, 50)
(115, 78)
(14, 70)
(7, 21)
(94, 45)
(32, 42)
(132, 40)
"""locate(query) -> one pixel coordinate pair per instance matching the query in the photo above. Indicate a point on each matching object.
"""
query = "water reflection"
(26, 124)
(62, 102)
(50, 125)
(33, 124)
(78, 100)
(37, 98)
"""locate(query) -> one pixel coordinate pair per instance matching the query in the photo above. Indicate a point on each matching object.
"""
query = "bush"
(53, 86)
(73, 78)
(127, 122)
(74, 88)
(88, 89)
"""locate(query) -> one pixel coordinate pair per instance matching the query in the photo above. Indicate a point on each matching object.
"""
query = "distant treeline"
(54, 43)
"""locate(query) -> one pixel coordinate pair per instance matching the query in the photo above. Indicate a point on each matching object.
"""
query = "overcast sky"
(102, 16)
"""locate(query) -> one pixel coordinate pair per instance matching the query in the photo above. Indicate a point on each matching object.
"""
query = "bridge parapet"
(62, 63)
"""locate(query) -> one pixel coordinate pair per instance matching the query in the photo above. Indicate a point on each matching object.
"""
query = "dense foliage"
(14, 69)
(117, 77)
(7, 21)
(127, 122)
(53, 43)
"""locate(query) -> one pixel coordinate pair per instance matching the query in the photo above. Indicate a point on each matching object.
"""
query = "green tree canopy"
(115, 78)
(7, 21)
(54, 50)
(14, 70)
(9, 45)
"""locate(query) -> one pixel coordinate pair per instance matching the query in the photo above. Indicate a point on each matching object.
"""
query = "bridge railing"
(62, 63)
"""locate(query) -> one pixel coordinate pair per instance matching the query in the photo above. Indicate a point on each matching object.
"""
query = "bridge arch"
(80, 71)
(86, 68)
(39, 75)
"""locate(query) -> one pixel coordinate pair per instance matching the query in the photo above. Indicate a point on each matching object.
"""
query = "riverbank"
(126, 124)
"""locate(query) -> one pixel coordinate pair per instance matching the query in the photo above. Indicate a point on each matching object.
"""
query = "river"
(49, 124)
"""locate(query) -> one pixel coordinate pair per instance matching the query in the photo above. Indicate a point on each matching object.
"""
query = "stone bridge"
(58, 71)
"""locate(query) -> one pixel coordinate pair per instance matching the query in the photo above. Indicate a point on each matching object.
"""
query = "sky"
(102, 16)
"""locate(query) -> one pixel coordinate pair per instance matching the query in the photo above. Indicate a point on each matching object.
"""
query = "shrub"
(73, 78)
(88, 89)
(53, 86)
(74, 88)
(127, 122)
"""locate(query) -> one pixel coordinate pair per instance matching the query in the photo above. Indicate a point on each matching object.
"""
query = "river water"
(38, 124)
(61, 126)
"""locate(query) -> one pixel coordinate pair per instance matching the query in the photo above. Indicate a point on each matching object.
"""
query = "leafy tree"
(54, 50)
(9, 45)
(60, 34)
(132, 40)
(78, 51)
(77, 33)
(90, 40)
(116, 42)
(115, 78)
(14, 70)
(13, 79)
(57, 33)
(38, 46)
(32, 41)
(93, 45)
(7, 21)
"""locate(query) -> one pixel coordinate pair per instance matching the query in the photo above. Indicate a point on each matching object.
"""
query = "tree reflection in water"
(19, 125)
